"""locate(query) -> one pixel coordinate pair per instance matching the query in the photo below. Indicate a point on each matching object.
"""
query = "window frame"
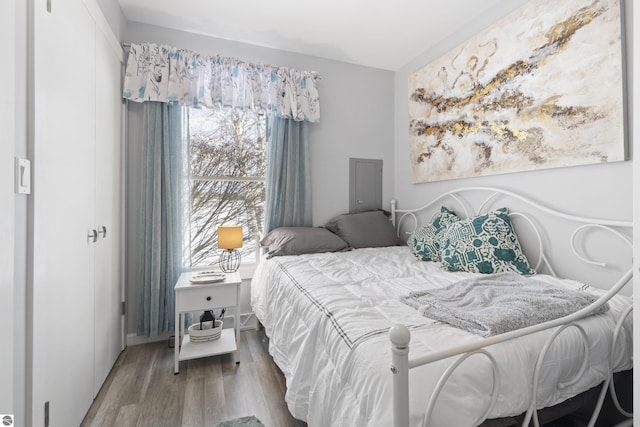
(246, 266)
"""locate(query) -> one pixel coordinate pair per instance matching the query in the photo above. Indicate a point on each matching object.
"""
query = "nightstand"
(197, 297)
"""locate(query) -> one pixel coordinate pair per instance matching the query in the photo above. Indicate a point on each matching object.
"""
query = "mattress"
(328, 316)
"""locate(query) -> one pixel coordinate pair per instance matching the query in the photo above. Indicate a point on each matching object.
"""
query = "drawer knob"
(208, 298)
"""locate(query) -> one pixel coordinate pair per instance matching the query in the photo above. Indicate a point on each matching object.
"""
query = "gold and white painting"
(541, 88)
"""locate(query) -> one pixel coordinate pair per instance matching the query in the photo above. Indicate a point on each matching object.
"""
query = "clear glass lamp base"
(229, 261)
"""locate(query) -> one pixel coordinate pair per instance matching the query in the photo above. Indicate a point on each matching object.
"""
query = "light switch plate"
(23, 176)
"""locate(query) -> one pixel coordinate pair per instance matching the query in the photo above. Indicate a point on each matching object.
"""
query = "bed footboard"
(400, 336)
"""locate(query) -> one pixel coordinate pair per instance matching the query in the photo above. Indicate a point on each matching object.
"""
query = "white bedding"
(328, 316)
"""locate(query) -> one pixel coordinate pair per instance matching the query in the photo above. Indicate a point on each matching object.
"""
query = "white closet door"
(107, 339)
(63, 212)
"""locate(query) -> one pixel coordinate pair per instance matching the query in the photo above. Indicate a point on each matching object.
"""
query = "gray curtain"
(288, 181)
(163, 213)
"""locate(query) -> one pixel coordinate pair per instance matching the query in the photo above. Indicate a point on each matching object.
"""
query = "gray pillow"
(369, 229)
(301, 240)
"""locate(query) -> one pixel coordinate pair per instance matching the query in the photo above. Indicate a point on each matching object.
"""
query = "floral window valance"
(167, 74)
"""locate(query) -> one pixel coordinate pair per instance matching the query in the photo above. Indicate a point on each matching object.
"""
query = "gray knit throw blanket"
(499, 303)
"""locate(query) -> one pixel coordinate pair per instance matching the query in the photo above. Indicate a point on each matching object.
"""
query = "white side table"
(190, 297)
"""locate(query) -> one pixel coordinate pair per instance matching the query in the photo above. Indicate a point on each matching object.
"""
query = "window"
(227, 153)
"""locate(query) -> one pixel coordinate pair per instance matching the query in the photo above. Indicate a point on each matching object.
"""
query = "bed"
(355, 352)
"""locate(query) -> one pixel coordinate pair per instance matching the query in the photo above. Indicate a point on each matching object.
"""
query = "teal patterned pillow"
(425, 242)
(484, 244)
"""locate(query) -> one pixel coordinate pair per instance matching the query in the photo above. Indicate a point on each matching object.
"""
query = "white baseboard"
(248, 321)
(134, 339)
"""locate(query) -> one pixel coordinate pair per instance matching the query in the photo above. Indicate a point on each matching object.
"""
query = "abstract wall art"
(541, 88)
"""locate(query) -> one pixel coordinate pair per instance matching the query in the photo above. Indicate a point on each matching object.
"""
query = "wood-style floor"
(142, 390)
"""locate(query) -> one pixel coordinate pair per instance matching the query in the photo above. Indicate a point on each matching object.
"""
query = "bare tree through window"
(228, 163)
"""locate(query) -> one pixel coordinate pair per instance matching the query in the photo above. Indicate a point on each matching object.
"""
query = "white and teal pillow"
(424, 242)
(483, 244)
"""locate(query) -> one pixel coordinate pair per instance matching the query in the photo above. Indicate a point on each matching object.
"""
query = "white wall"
(113, 14)
(598, 190)
(356, 105)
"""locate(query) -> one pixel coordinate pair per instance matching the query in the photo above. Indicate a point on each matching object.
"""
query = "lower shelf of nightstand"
(225, 344)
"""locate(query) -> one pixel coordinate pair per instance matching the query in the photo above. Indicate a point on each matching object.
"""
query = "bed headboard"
(596, 251)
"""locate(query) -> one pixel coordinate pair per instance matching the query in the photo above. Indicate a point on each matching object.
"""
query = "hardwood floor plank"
(163, 400)
(194, 403)
(214, 393)
(148, 354)
(235, 403)
(127, 416)
(107, 410)
(279, 413)
(142, 390)
(253, 395)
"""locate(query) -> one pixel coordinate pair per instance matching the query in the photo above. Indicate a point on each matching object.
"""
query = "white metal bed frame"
(400, 335)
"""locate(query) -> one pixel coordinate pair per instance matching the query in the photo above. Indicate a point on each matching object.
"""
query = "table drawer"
(206, 297)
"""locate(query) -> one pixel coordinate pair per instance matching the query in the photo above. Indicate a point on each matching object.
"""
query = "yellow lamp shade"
(229, 236)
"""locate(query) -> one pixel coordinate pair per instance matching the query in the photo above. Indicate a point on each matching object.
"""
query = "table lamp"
(229, 239)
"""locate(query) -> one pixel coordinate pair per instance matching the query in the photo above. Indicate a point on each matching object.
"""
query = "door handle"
(102, 231)
(92, 236)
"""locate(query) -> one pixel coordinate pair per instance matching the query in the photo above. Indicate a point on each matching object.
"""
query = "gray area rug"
(242, 422)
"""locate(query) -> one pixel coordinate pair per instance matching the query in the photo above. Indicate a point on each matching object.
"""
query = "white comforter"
(328, 316)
